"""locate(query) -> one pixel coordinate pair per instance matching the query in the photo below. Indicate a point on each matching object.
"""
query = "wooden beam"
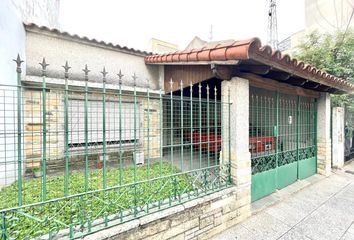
(273, 85)
(279, 76)
(257, 69)
(188, 74)
(221, 71)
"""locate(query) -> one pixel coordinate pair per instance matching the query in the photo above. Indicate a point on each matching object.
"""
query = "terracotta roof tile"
(249, 49)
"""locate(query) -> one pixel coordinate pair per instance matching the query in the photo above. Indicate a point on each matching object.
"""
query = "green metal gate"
(282, 140)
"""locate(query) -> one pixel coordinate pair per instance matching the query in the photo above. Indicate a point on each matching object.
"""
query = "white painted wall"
(58, 48)
(12, 42)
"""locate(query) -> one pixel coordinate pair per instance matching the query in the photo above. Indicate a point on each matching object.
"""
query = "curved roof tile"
(250, 49)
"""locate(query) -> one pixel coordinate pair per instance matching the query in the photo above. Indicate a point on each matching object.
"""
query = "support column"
(338, 136)
(239, 140)
(323, 134)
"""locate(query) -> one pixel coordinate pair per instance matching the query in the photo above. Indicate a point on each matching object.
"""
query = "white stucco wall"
(57, 49)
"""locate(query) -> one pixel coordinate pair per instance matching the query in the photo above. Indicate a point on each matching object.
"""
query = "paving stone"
(312, 209)
(286, 213)
(325, 223)
(236, 233)
(294, 235)
(349, 234)
(265, 226)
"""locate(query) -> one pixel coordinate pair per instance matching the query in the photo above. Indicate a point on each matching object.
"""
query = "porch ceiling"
(249, 56)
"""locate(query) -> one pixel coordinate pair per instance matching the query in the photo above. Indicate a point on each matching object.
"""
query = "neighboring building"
(197, 42)
(328, 15)
(289, 45)
(12, 14)
(159, 46)
(12, 42)
(322, 16)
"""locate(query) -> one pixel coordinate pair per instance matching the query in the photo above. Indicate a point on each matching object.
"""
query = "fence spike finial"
(207, 88)
(134, 79)
(215, 90)
(44, 66)
(120, 76)
(104, 73)
(66, 69)
(200, 88)
(181, 84)
(86, 71)
(171, 84)
(18, 62)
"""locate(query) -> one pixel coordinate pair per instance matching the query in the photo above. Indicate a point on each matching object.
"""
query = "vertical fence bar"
(161, 130)
(171, 123)
(229, 165)
(200, 124)
(120, 76)
(276, 137)
(86, 71)
(208, 124)
(3, 229)
(222, 131)
(191, 127)
(19, 131)
(44, 122)
(66, 128)
(315, 129)
(298, 119)
(104, 73)
(134, 153)
(182, 127)
(256, 109)
(148, 129)
(216, 126)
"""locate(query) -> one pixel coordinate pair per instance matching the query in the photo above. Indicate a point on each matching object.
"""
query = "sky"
(133, 23)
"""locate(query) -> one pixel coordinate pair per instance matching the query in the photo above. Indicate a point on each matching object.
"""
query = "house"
(132, 144)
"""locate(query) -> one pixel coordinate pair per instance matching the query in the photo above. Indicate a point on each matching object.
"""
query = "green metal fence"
(282, 140)
(75, 160)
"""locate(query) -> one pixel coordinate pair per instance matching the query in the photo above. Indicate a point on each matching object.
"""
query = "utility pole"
(272, 25)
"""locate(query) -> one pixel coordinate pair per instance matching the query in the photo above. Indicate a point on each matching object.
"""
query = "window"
(95, 122)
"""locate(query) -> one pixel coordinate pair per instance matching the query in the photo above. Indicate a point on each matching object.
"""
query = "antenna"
(211, 33)
(272, 25)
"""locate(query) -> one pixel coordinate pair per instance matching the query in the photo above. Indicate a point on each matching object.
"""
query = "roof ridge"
(30, 25)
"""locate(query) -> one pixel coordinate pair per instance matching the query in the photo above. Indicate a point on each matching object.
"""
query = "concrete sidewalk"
(316, 208)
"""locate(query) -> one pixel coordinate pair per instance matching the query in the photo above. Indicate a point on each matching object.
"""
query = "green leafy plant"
(36, 169)
(91, 206)
(333, 53)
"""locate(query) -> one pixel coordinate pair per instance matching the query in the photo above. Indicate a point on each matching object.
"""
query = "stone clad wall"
(324, 143)
(197, 219)
(34, 128)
